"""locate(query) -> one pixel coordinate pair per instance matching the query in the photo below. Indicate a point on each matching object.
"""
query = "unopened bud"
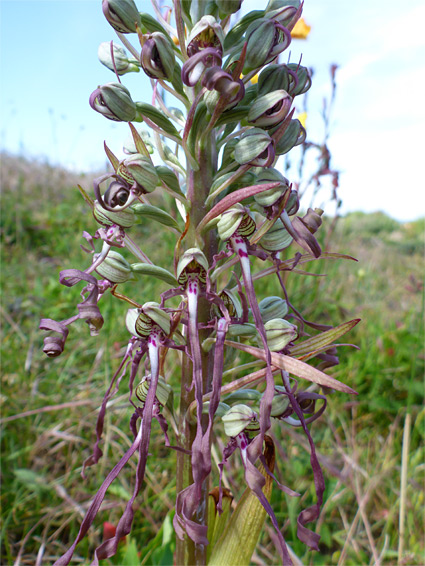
(240, 418)
(275, 77)
(255, 147)
(115, 268)
(142, 171)
(293, 203)
(113, 101)
(303, 79)
(282, 10)
(121, 14)
(117, 60)
(279, 332)
(277, 238)
(294, 135)
(269, 197)
(280, 402)
(270, 109)
(123, 218)
(157, 57)
(266, 39)
(272, 307)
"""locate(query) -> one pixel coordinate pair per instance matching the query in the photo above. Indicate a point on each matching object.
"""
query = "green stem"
(198, 185)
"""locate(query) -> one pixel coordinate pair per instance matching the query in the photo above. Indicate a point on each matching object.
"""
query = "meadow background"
(371, 447)
(49, 406)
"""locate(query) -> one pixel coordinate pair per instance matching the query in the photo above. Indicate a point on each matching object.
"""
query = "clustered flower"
(221, 166)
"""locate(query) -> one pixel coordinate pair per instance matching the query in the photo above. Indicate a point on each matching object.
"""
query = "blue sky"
(49, 67)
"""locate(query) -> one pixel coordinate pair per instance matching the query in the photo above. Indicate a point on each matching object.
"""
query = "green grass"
(359, 439)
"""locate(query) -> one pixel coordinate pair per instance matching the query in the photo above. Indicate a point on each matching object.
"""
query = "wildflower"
(301, 29)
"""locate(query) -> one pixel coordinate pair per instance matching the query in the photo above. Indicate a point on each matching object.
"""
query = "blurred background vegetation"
(49, 406)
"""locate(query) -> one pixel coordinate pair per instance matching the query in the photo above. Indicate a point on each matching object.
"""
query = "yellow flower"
(302, 118)
(254, 79)
(300, 30)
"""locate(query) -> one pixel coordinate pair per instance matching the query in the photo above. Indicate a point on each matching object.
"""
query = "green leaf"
(155, 271)
(169, 178)
(295, 367)
(157, 117)
(319, 342)
(240, 537)
(128, 553)
(156, 214)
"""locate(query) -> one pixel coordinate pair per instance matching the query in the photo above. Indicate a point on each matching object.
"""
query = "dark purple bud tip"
(54, 345)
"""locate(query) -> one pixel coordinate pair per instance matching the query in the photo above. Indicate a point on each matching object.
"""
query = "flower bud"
(269, 197)
(282, 10)
(279, 332)
(294, 135)
(275, 77)
(280, 402)
(157, 57)
(255, 147)
(114, 102)
(303, 79)
(272, 307)
(142, 171)
(115, 268)
(277, 238)
(293, 203)
(240, 418)
(270, 109)
(235, 219)
(163, 390)
(192, 262)
(119, 58)
(266, 38)
(121, 14)
(123, 218)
